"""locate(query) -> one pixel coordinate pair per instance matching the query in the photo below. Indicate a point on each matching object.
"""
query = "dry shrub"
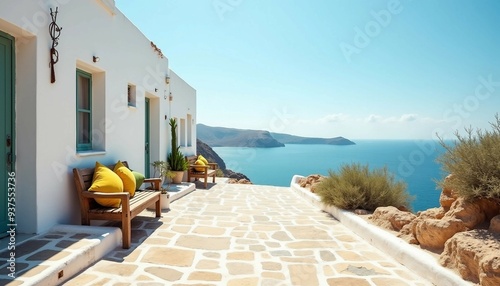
(358, 187)
(474, 161)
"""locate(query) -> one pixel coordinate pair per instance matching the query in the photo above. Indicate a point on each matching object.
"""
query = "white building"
(111, 100)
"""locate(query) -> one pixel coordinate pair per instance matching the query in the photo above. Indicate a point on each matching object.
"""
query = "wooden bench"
(209, 170)
(130, 207)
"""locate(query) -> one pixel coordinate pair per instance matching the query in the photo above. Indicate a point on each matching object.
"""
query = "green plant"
(219, 173)
(176, 159)
(162, 171)
(474, 162)
(356, 186)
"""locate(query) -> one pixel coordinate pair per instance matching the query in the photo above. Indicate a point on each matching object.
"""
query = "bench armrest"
(213, 166)
(154, 181)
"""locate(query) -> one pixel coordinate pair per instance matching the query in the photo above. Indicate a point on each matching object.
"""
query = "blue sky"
(355, 68)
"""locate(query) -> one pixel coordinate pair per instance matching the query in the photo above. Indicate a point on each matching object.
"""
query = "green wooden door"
(7, 177)
(147, 162)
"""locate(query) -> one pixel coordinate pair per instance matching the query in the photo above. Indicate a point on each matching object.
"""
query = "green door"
(7, 176)
(147, 165)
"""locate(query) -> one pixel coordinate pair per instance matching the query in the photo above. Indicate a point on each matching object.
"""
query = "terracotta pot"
(178, 177)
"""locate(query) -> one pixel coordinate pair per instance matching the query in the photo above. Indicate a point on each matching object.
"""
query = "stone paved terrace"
(245, 235)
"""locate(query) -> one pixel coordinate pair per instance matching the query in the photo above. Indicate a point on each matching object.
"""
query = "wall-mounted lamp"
(170, 97)
(95, 59)
(156, 90)
(165, 94)
(167, 79)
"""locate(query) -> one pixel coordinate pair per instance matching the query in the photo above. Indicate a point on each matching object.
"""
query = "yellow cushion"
(106, 181)
(199, 163)
(205, 161)
(127, 178)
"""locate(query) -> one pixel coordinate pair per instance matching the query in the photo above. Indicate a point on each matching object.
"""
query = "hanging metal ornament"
(55, 32)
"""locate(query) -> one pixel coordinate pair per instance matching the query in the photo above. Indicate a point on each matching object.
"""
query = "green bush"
(474, 161)
(358, 187)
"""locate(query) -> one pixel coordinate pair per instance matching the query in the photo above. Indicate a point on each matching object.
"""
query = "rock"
(391, 218)
(240, 181)
(448, 196)
(495, 224)
(310, 182)
(244, 181)
(361, 212)
(475, 255)
(408, 231)
(490, 207)
(433, 233)
(469, 212)
(433, 213)
(234, 176)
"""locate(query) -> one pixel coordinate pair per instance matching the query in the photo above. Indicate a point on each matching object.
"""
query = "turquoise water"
(410, 161)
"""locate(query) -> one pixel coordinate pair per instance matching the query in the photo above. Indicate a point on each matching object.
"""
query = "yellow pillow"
(127, 178)
(106, 181)
(205, 161)
(199, 163)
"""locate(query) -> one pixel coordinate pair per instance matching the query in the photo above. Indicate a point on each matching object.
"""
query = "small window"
(131, 95)
(83, 111)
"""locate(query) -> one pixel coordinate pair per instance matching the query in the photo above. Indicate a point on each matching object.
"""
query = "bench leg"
(158, 208)
(126, 226)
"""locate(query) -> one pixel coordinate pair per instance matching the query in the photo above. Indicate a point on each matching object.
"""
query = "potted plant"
(176, 161)
(161, 170)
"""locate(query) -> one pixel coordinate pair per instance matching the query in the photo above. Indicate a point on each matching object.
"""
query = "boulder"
(310, 182)
(391, 218)
(475, 255)
(469, 212)
(408, 231)
(495, 225)
(239, 181)
(448, 196)
(433, 233)
(433, 213)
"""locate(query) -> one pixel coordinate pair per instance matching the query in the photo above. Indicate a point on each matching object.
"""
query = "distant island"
(232, 137)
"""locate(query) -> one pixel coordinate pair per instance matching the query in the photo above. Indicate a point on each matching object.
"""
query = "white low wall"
(419, 261)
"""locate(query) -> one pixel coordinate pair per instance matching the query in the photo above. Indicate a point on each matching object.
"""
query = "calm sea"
(414, 162)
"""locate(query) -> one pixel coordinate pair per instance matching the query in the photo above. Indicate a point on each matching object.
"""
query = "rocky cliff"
(207, 152)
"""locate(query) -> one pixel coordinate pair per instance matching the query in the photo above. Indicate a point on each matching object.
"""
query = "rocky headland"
(232, 137)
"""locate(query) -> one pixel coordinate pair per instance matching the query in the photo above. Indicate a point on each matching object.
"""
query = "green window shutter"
(83, 111)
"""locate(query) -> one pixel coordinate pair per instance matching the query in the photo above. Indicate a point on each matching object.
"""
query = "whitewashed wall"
(184, 110)
(46, 113)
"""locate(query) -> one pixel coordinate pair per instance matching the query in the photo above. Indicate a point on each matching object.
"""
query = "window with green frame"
(83, 111)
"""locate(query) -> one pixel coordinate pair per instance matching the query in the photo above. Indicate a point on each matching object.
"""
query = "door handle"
(9, 159)
(147, 147)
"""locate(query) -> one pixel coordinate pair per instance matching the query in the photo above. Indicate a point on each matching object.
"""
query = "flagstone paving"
(245, 235)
